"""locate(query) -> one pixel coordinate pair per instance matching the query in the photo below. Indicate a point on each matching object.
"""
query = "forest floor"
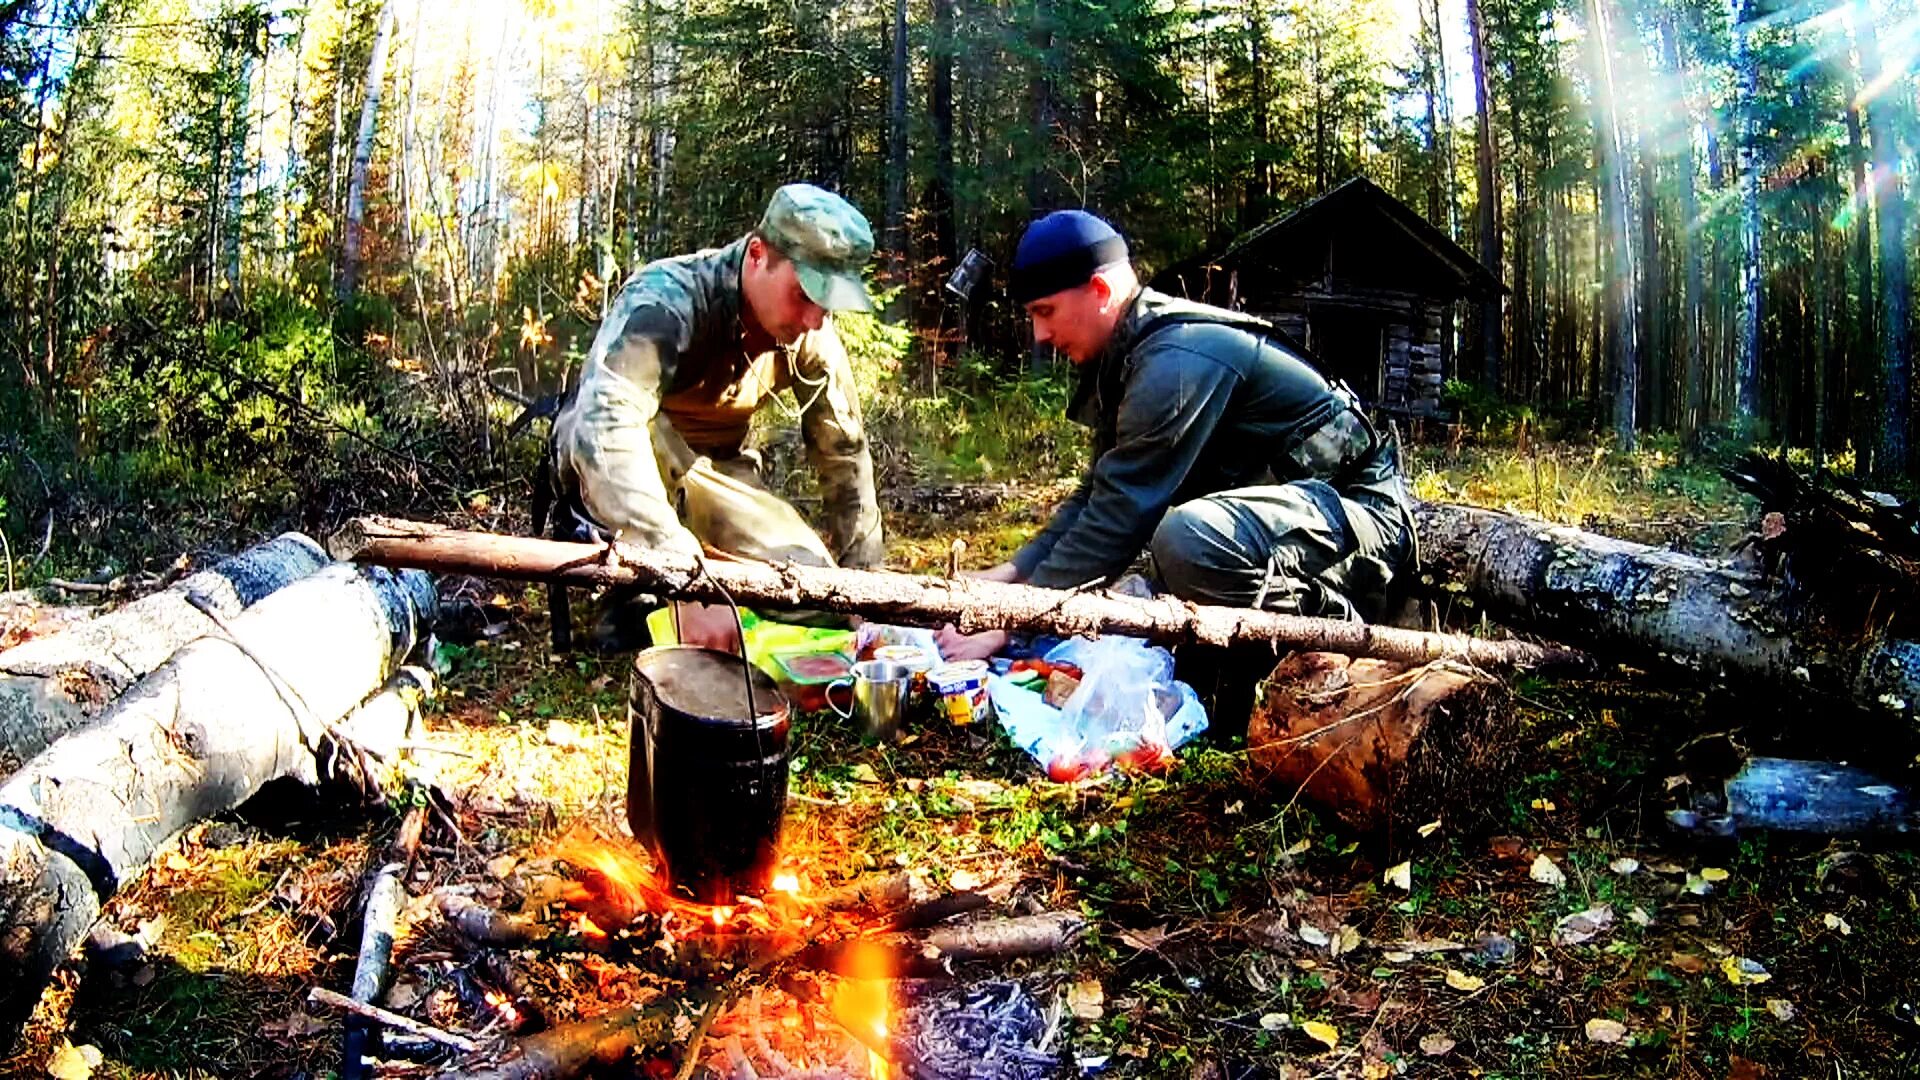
(1233, 934)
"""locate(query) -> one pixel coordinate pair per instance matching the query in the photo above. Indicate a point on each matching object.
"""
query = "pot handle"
(846, 713)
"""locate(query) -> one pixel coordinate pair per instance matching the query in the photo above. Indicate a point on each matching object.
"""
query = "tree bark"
(1622, 270)
(1487, 163)
(54, 684)
(1656, 606)
(197, 737)
(363, 155)
(896, 241)
(1748, 314)
(1693, 396)
(1885, 115)
(968, 603)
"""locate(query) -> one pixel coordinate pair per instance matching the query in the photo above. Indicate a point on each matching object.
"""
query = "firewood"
(1384, 747)
(198, 736)
(566, 1051)
(970, 604)
(486, 926)
(378, 925)
(56, 683)
(320, 995)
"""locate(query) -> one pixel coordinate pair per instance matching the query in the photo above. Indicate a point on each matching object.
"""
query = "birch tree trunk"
(363, 155)
(197, 737)
(1693, 391)
(52, 685)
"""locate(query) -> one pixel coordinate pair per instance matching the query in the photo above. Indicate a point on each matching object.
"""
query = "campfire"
(583, 953)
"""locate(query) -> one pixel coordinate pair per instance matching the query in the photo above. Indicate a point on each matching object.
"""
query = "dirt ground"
(1555, 925)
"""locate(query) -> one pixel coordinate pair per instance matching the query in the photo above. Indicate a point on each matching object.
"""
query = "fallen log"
(198, 736)
(1385, 748)
(1660, 607)
(54, 684)
(969, 604)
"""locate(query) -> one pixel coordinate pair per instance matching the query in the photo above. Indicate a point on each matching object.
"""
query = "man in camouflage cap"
(650, 449)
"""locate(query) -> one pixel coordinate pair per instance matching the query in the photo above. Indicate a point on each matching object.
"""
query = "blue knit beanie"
(1061, 251)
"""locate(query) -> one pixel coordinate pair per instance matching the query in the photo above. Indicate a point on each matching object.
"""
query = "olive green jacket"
(673, 377)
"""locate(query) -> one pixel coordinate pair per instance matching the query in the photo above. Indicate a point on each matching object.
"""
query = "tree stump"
(1384, 747)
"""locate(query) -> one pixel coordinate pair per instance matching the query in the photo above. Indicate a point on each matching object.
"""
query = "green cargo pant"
(1301, 548)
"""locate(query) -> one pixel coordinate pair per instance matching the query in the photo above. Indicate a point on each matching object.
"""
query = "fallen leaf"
(1741, 971)
(1235, 807)
(1544, 805)
(72, 1062)
(1428, 829)
(1464, 982)
(1144, 940)
(1639, 917)
(1345, 940)
(863, 774)
(1087, 999)
(1508, 847)
(1275, 1022)
(1676, 781)
(1582, 925)
(1687, 962)
(1602, 1030)
(1396, 956)
(1546, 872)
(1667, 868)
(1375, 1069)
(500, 866)
(1624, 865)
(964, 880)
(1322, 1033)
(1312, 934)
(1714, 873)
(1400, 876)
(1299, 848)
(1436, 1045)
(1835, 922)
(1781, 1008)
(1739, 1068)
(1698, 885)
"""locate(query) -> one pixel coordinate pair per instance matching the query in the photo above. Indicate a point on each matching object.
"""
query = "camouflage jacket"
(1189, 400)
(674, 377)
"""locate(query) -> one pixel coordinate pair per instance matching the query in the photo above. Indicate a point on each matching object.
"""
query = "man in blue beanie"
(1252, 480)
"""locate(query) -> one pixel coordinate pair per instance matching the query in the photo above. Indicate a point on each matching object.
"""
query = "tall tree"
(1885, 116)
(1747, 333)
(1622, 269)
(363, 155)
(896, 237)
(1487, 165)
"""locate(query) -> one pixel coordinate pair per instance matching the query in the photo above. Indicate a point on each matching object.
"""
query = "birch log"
(54, 684)
(1657, 606)
(970, 604)
(197, 737)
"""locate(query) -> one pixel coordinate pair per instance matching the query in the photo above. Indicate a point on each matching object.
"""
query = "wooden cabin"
(1362, 280)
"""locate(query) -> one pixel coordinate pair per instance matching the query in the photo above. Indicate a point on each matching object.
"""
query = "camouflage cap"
(828, 241)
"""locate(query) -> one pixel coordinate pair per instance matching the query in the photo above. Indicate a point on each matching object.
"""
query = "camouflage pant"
(1301, 548)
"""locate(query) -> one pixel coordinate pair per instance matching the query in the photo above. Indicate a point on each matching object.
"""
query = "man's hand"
(711, 626)
(1005, 572)
(955, 645)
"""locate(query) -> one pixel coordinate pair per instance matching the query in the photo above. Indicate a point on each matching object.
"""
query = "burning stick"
(485, 926)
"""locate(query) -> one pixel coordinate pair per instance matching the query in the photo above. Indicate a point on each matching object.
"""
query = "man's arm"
(609, 442)
(1171, 407)
(837, 448)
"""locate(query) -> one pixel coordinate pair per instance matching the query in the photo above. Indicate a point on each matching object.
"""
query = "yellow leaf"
(72, 1062)
(1375, 1069)
(863, 774)
(1400, 876)
(1741, 971)
(1298, 849)
(1322, 1033)
(1546, 872)
(1429, 829)
(1835, 922)
(1544, 804)
(1714, 873)
(1602, 1030)
(1087, 999)
(1464, 982)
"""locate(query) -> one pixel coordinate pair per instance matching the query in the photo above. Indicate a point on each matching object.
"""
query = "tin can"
(962, 687)
(920, 696)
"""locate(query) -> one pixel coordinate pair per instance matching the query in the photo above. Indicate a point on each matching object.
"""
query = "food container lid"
(958, 674)
(808, 668)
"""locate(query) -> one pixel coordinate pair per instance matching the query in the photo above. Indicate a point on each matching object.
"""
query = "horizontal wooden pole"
(969, 604)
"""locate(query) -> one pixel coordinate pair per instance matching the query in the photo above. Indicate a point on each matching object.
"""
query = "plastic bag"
(1128, 710)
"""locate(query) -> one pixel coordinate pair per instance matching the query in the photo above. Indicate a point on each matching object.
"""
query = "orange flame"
(862, 1003)
(616, 884)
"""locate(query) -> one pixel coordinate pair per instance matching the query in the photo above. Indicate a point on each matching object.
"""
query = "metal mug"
(879, 696)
